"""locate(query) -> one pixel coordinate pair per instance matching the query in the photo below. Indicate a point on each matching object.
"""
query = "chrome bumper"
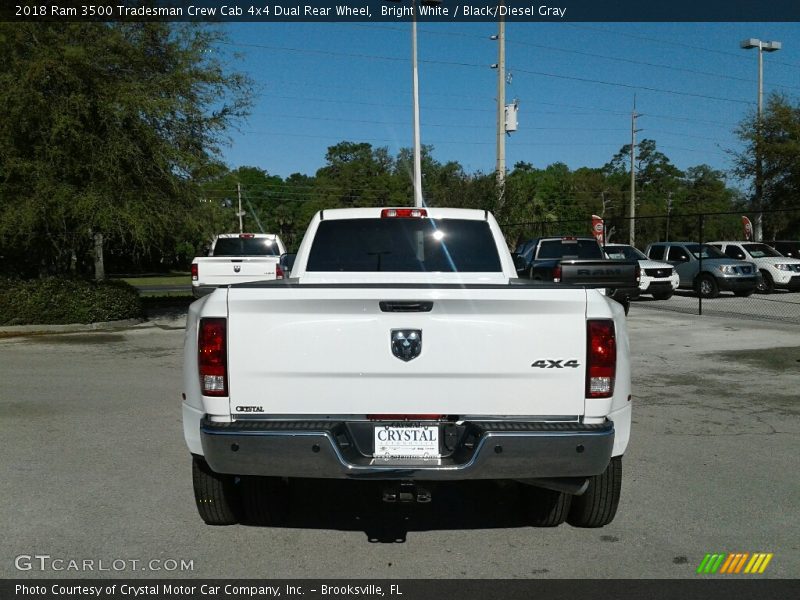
(476, 450)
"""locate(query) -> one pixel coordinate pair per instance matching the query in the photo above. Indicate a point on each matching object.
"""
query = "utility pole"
(240, 214)
(501, 112)
(669, 210)
(632, 238)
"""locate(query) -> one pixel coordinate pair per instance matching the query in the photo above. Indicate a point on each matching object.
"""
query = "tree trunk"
(99, 268)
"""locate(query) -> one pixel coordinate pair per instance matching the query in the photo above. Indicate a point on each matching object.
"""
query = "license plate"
(406, 441)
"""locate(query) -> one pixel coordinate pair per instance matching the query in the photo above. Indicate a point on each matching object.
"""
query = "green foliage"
(779, 141)
(56, 301)
(107, 128)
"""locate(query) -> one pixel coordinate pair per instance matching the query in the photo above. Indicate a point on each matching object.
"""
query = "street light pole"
(418, 200)
(762, 47)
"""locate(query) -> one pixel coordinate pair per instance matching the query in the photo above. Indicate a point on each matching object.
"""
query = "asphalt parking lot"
(94, 467)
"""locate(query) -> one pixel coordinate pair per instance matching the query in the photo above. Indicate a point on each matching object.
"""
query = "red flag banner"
(748, 228)
(598, 229)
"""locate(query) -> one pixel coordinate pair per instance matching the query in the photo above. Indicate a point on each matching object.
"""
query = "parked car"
(718, 272)
(658, 279)
(786, 247)
(541, 259)
(777, 271)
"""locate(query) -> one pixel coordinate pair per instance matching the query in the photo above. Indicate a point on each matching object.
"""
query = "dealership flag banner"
(748, 228)
(598, 229)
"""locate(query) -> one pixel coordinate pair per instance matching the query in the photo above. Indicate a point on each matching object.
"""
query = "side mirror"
(520, 264)
(287, 262)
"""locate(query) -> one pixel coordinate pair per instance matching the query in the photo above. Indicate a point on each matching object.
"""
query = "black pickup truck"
(544, 259)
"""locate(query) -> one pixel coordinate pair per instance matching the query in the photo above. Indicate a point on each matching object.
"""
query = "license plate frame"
(406, 440)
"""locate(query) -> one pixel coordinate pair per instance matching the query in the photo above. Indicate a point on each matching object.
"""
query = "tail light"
(278, 272)
(212, 357)
(557, 274)
(403, 213)
(247, 236)
(601, 358)
(194, 271)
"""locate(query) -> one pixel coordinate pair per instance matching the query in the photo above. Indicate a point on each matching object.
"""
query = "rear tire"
(767, 285)
(546, 508)
(265, 500)
(598, 504)
(216, 494)
(706, 286)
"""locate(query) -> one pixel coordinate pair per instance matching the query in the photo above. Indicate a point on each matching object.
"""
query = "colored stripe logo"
(734, 563)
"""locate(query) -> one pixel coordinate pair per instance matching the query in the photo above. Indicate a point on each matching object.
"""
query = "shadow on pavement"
(358, 506)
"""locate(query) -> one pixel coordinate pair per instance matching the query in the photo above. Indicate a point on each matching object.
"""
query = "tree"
(778, 139)
(106, 130)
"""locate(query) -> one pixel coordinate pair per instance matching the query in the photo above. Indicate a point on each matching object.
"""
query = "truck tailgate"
(226, 270)
(326, 350)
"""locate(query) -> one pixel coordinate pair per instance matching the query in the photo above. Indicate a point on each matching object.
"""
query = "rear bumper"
(480, 450)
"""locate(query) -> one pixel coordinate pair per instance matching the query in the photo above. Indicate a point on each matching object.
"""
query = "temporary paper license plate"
(406, 441)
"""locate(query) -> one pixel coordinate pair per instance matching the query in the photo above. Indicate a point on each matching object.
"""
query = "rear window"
(404, 245)
(246, 247)
(588, 249)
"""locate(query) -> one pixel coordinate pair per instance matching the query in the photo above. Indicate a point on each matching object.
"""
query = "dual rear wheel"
(226, 499)
(596, 507)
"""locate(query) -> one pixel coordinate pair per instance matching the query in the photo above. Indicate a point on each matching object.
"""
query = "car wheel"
(766, 285)
(662, 296)
(265, 500)
(706, 286)
(216, 494)
(598, 504)
(545, 508)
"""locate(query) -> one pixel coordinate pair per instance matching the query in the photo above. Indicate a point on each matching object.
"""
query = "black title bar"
(366, 11)
(700, 588)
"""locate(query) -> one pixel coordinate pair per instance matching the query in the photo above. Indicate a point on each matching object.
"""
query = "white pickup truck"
(404, 349)
(236, 258)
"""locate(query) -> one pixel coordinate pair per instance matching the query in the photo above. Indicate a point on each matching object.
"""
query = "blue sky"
(318, 84)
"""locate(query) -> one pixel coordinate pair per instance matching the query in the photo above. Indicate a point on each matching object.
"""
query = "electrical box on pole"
(512, 122)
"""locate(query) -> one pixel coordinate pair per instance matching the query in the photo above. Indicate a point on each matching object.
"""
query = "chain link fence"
(701, 247)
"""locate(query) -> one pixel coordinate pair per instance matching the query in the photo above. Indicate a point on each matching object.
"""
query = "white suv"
(657, 278)
(777, 271)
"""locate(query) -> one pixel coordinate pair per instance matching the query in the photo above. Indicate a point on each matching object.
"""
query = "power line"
(632, 86)
(459, 126)
(483, 66)
(590, 109)
(674, 43)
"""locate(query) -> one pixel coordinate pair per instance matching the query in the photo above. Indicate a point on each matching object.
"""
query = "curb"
(12, 330)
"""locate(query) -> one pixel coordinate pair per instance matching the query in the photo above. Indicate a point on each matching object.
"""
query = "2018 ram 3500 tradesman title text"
(405, 349)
